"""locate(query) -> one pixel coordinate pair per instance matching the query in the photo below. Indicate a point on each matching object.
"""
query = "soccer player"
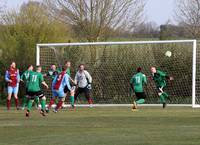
(83, 81)
(159, 78)
(53, 72)
(137, 84)
(12, 77)
(67, 67)
(34, 89)
(25, 78)
(60, 83)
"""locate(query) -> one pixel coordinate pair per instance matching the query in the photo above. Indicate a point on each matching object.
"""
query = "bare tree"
(92, 19)
(188, 16)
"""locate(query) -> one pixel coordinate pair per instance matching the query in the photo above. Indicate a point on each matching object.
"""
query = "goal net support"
(112, 64)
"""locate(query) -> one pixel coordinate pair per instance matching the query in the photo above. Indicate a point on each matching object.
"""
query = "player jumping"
(137, 83)
(34, 89)
(12, 77)
(160, 80)
(60, 83)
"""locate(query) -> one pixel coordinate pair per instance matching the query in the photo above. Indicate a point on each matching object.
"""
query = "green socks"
(140, 101)
(29, 105)
(71, 98)
(163, 97)
(43, 104)
(36, 100)
(24, 102)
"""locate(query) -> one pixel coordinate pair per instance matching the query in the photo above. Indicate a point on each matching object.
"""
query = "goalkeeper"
(160, 78)
(137, 83)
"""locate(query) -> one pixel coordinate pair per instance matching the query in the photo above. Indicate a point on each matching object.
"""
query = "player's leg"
(163, 96)
(15, 92)
(141, 98)
(52, 100)
(88, 96)
(41, 96)
(30, 98)
(71, 98)
(24, 101)
(29, 106)
(43, 105)
(78, 91)
(10, 90)
(61, 98)
(71, 95)
(36, 101)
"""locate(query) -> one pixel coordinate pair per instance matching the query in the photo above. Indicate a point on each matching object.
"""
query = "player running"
(83, 81)
(137, 84)
(60, 83)
(34, 89)
(25, 78)
(159, 78)
(12, 77)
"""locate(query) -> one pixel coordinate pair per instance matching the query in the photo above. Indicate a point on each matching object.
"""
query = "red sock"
(16, 102)
(8, 104)
(90, 101)
(59, 105)
(51, 103)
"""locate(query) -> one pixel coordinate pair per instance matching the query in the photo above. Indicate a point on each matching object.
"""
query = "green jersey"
(35, 81)
(138, 80)
(25, 77)
(160, 79)
(68, 71)
(52, 73)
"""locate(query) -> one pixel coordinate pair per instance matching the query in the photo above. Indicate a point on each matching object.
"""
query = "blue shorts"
(58, 93)
(13, 90)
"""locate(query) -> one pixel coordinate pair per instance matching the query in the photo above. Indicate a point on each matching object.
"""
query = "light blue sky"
(159, 11)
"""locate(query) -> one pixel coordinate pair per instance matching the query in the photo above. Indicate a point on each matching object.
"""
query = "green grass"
(102, 126)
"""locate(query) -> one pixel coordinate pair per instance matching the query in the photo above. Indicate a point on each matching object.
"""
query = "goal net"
(112, 64)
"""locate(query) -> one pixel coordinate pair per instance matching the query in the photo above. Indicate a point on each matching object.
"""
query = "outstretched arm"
(44, 83)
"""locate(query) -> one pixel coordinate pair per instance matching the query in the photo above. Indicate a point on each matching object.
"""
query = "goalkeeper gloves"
(89, 86)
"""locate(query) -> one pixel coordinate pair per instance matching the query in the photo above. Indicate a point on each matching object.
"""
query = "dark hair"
(29, 66)
(81, 65)
(139, 69)
(67, 61)
(63, 68)
(38, 66)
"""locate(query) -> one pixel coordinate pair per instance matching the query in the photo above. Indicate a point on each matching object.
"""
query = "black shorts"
(140, 95)
(32, 95)
(66, 89)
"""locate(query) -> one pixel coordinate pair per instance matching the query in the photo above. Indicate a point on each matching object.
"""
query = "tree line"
(85, 20)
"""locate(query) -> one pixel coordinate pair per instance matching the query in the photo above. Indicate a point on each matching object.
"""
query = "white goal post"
(172, 44)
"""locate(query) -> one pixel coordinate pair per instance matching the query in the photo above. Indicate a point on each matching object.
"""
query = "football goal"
(112, 64)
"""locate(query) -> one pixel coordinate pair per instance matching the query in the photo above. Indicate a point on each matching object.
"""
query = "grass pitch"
(102, 126)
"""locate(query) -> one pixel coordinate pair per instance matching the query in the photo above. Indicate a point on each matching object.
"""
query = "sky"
(159, 11)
